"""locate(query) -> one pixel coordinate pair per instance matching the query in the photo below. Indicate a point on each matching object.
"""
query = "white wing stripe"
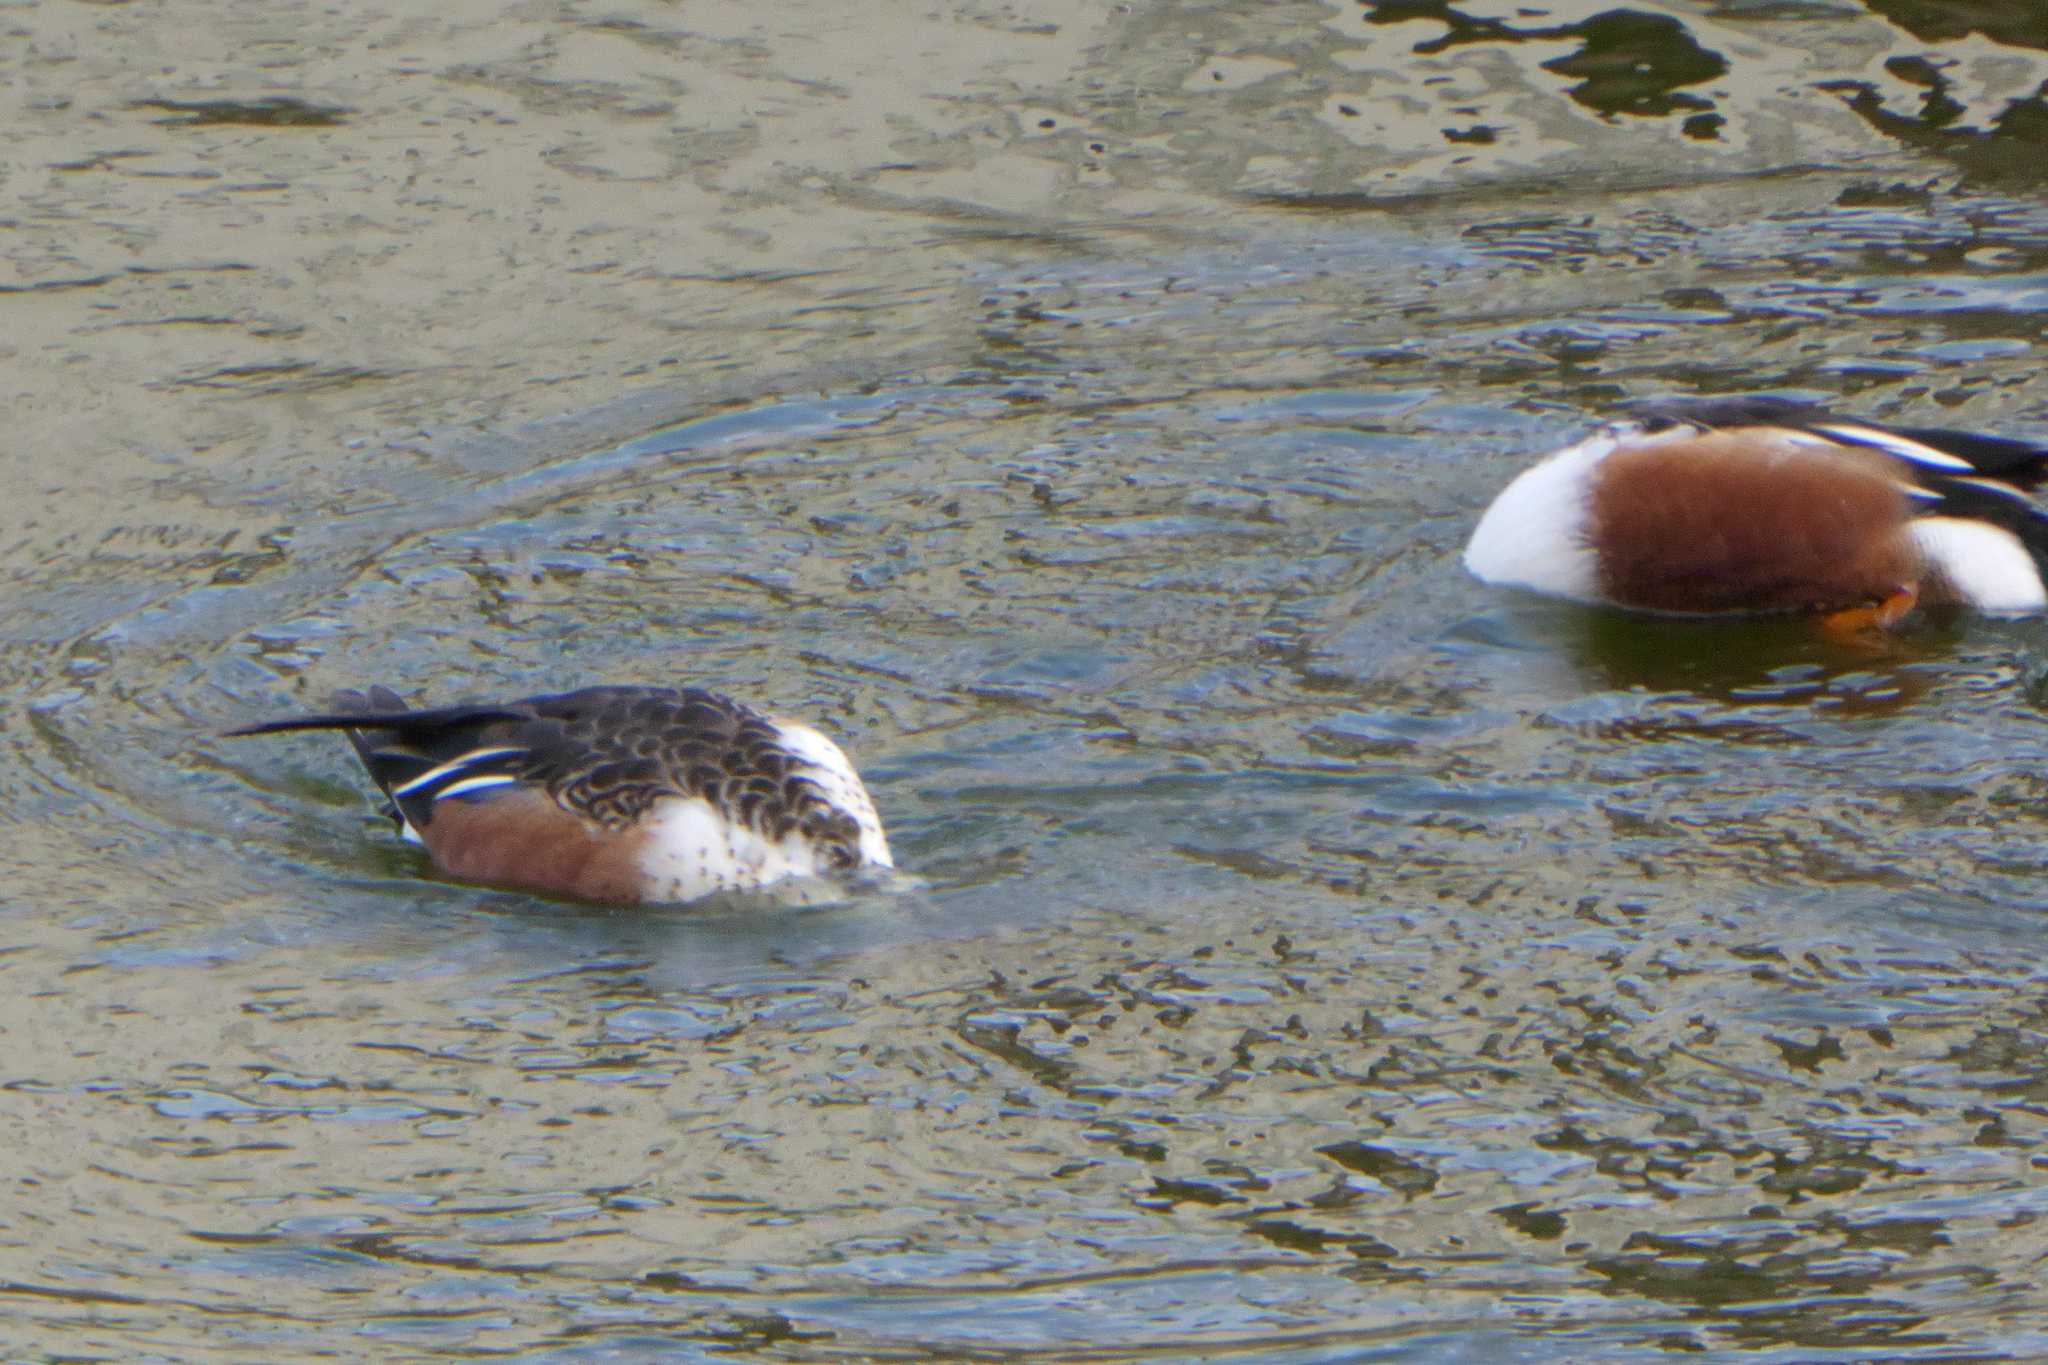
(453, 766)
(1903, 447)
(475, 784)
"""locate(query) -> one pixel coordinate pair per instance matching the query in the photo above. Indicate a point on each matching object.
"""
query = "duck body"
(1762, 505)
(623, 795)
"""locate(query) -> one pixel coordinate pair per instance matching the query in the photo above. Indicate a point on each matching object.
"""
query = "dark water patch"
(269, 111)
(1639, 64)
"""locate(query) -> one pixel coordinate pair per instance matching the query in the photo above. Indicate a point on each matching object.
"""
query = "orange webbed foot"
(1863, 625)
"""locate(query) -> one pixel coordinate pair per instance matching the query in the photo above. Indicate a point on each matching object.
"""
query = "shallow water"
(1316, 956)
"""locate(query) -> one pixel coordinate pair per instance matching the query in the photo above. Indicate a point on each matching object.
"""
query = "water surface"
(1319, 956)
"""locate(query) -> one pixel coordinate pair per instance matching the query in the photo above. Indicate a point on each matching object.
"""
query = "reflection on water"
(1729, 661)
(1626, 61)
(1979, 102)
(1317, 955)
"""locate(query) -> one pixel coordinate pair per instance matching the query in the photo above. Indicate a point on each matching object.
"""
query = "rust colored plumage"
(1742, 521)
(526, 839)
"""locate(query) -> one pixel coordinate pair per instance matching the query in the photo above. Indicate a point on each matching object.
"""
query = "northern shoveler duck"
(626, 795)
(1763, 505)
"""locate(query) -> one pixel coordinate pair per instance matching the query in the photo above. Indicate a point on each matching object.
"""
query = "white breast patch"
(1534, 534)
(693, 851)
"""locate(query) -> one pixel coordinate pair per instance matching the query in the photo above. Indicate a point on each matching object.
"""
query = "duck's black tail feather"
(398, 745)
(381, 709)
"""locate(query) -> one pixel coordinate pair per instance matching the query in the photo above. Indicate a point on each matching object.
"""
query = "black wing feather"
(2022, 463)
(2009, 459)
(1744, 410)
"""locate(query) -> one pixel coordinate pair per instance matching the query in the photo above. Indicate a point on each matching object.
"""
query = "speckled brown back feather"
(608, 753)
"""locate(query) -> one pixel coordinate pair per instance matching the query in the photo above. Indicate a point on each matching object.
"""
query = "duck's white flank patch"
(693, 851)
(1534, 534)
(1985, 566)
(834, 774)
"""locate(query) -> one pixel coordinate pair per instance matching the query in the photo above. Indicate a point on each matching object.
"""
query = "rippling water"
(1315, 956)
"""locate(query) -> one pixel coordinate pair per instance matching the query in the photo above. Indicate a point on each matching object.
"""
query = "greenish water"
(1317, 956)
